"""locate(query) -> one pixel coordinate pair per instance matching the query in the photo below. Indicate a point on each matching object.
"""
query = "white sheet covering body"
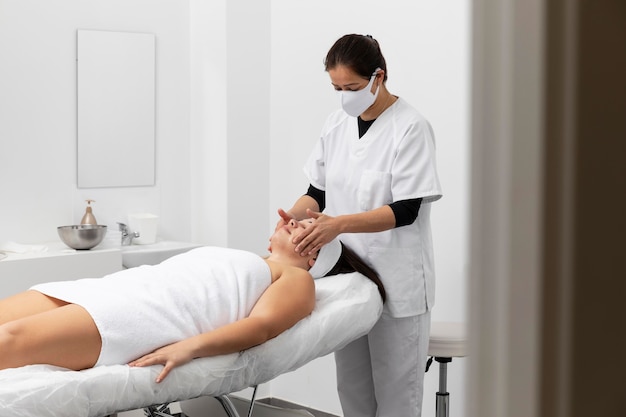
(347, 306)
(141, 309)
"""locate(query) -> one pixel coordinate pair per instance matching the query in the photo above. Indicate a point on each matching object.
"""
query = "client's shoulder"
(283, 271)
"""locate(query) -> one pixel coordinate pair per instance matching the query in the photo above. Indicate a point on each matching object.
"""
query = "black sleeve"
(317, 195)
(406, 210)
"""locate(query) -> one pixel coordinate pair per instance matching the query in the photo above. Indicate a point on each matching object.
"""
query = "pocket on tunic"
(403, 278)
(374, 189)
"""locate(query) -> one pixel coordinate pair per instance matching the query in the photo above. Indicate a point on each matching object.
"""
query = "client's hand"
(170, 356)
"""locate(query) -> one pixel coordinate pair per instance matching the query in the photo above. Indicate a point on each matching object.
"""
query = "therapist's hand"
(321, 231)
(284, 218)
(169, 356)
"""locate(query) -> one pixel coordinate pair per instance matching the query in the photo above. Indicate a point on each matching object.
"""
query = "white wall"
(38, 116)
(426, 45)
(230, 67)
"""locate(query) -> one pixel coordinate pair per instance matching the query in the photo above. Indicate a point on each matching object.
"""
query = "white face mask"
(356, 102)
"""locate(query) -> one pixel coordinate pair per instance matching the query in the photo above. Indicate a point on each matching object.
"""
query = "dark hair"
(351, 262)
(360, 53)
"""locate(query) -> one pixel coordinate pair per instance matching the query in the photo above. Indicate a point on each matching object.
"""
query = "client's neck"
(291, 260)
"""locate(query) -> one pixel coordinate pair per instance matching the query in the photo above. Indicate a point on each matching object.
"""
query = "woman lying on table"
(206, 302)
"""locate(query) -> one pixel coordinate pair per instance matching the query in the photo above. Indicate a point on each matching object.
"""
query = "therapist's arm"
(326, 228)
(299, 209)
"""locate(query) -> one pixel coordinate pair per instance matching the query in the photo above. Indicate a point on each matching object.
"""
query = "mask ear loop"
(375, 74)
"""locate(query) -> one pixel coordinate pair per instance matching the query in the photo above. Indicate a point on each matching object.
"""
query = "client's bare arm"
(285, 302)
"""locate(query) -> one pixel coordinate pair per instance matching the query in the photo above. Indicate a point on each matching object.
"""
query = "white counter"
(19, 271)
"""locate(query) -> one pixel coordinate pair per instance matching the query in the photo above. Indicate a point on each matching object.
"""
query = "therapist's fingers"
(284, 215)
(284, 218)
(313, 214)
(310, 227)
(311, 245)
(319, 233)
(303, 235)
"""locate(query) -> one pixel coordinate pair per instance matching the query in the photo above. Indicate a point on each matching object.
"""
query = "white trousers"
(382, 373)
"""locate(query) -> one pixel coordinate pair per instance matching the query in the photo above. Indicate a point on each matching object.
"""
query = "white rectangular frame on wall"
(115, 109)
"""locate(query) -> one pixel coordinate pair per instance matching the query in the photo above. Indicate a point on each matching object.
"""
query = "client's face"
(283, 236)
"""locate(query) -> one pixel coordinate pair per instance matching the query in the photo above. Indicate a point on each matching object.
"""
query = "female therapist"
(372, 179)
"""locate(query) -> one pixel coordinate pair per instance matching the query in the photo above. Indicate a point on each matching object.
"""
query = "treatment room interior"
(241, 96)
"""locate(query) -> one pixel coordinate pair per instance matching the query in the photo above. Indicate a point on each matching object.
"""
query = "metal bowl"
(84, 236)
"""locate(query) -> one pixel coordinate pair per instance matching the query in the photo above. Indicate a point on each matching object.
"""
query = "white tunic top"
(141, 309)
(394, 160)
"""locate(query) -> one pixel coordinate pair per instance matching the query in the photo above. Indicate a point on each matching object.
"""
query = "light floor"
(259, 410)
(210, 407)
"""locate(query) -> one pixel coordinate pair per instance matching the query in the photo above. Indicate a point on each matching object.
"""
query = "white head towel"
(326, 259)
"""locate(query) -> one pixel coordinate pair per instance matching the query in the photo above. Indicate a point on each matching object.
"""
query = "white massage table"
(347, 307)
